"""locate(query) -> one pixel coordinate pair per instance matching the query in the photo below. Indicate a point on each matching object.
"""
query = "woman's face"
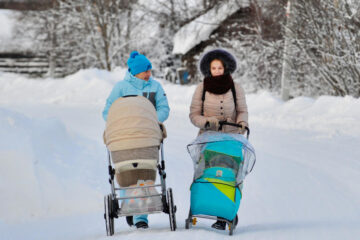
(216, 68)
(144, 75)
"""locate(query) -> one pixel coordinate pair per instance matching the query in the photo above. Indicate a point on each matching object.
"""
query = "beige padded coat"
(221, 106)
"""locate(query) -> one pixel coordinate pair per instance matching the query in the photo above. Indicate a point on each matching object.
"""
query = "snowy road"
(53, 174)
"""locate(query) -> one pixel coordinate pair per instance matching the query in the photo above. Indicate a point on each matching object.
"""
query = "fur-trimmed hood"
(225, 57)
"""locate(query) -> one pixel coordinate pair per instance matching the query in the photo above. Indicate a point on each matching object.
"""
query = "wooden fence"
(27, 64)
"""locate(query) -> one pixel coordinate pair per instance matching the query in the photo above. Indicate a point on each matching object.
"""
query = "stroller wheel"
(231, 229)
(172, 209)
(109, 214)
(232, 225)
(189, 221)
(129, 220)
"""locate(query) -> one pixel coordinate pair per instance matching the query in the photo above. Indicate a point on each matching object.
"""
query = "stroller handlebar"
(221, 123)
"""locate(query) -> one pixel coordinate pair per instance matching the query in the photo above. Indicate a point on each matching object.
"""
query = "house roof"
(201, 28)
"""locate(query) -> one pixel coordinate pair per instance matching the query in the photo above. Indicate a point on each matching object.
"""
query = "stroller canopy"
(132, 123)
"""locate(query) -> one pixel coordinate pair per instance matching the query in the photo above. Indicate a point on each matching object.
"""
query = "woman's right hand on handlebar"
(212, 123)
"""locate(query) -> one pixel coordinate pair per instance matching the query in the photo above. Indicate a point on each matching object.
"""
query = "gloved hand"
(104, 138)
(163, 130)
(212, 123)
(243, 124)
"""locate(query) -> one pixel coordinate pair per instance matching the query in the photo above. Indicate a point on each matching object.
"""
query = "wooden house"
(233, 20)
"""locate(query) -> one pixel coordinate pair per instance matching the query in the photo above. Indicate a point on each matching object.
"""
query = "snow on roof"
(8, 42)
(200, 29)
(6, 24)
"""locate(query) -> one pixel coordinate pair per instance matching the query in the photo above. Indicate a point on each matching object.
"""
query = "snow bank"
(45, 169)
(328, 115)
(90, 88)
(47, 161)
(84, 87)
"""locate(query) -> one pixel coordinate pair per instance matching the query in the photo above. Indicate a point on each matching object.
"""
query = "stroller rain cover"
(221, 162)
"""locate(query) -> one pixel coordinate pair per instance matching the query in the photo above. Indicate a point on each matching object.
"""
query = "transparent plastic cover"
(222, 150)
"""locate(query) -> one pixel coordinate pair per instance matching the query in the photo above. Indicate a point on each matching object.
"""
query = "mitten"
(212, 123)
(243, 124)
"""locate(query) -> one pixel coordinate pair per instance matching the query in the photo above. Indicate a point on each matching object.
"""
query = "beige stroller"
(133, 138)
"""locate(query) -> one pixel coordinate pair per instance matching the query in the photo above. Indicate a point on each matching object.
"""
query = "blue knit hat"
(138, 63)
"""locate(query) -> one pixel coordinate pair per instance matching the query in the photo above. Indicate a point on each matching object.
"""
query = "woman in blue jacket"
(138, 81)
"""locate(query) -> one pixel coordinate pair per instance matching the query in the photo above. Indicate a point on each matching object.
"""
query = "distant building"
(224, 21)
(24, 5)
(233, 20)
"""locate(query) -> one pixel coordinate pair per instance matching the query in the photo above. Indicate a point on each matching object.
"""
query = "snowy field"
(53, 172)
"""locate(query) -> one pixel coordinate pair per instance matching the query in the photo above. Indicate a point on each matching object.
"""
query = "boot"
(220, 225)
(141, 225)
(129, 220)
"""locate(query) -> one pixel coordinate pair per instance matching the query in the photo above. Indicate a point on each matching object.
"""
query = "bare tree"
(326, 49)
(102, 33)
(80, 33)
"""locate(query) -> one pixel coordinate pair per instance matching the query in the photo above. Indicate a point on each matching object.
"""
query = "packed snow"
(54, 168)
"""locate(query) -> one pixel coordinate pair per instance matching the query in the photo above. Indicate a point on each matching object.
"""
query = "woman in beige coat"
(218, 97)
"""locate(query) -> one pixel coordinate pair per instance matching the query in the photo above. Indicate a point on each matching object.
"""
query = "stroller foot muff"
(221, 162)
(134, 138)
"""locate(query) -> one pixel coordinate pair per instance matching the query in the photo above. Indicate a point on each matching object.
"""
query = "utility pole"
(286, 71)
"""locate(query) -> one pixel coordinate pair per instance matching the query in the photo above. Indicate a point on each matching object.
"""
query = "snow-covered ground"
(53, 172)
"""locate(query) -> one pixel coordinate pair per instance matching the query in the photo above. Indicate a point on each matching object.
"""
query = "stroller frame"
(111, 201)
(192, 219)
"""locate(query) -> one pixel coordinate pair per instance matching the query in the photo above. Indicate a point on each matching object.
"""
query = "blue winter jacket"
(150, 89)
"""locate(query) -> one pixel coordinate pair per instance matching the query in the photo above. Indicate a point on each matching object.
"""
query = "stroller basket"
(140, 199)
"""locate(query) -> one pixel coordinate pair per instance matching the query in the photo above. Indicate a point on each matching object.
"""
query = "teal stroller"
(221, 162)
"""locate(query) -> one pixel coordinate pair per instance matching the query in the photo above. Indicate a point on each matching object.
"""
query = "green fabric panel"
(232, 149)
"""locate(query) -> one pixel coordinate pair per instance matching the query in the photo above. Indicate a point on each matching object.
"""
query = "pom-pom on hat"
(138, 63)
(225, 57)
